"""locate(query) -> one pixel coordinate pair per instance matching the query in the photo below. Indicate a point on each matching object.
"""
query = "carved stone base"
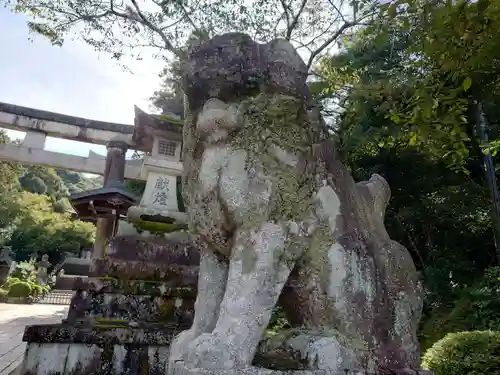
(104, 299)
(178, 368)
(69, 350)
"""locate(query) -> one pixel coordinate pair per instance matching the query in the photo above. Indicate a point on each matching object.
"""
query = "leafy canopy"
(120, 26)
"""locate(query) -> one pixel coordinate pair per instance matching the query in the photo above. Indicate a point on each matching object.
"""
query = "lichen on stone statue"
(283, 222)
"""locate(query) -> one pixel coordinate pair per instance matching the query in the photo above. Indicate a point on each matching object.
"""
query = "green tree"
(43, 180)
(439, 212)
(9, 184)
(38, 228)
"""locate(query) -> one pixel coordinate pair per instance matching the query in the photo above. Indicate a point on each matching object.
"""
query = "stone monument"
(6, 262)
(283, 222)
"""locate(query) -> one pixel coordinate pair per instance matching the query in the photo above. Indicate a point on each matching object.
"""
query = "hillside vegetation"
(35, 214)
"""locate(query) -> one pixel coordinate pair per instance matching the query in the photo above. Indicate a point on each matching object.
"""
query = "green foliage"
(23, 285)
(20, 289)
(39, 228)
(42, 180)
(12, 280)
(34, 210)
(23, 271)
(77, 182)
(56, 183)
(277, 323)
(465, 353)
(475, 308)
(38, 290)
(457, 57)
(402, 97)
(485, 297)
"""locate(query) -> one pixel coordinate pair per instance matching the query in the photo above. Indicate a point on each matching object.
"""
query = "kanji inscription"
(161, 192)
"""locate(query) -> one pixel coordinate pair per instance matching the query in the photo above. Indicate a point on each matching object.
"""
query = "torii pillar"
(114, 176)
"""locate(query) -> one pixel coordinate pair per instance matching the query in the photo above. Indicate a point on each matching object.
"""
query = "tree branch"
(338, 11)
(287, 16)
(295, 20)
(144, 21)
(327, 42)
(190, 20)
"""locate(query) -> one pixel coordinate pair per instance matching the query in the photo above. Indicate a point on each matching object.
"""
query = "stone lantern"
(159, 202)
(41, 270)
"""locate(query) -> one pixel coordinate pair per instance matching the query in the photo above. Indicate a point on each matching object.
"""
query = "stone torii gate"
(158, 136)
(39, 124)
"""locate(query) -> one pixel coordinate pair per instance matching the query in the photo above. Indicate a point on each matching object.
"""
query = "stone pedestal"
(71, 270)
(179, 368)
(124, 316)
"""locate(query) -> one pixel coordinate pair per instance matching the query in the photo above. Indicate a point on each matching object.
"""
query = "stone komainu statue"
(283, 222)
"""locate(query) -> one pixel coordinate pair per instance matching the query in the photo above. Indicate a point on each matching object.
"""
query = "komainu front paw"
(180, 345)
(211, 351)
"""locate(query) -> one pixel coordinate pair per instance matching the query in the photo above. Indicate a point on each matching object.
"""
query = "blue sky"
(73, 79)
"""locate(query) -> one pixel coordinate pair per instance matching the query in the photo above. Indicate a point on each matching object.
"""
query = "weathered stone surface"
(123, 320)
(233, 65)
(5, 264)
(41, 272)
(146, 124)
(89, 359)
(133, 287)
(103, 348)
(139, 308)
(174, 262)
(281, 218)
(105, 334)
(154, 249)
(179, 368)
(67, 282)
(173, 275)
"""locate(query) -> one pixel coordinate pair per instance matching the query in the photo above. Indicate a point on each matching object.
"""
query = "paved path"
(13, 319)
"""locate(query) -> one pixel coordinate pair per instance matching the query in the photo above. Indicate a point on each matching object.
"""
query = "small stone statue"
(42, 267)
(6, 262)
(33, 256)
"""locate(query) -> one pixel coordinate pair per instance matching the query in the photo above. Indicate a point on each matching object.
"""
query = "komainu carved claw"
(212, 351)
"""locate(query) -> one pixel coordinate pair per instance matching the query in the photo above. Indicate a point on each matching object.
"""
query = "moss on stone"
(279, 121)
(112, 326)
(156, 228)
(107, 278)
(172, 120)
(317, 254)
(106, 320)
